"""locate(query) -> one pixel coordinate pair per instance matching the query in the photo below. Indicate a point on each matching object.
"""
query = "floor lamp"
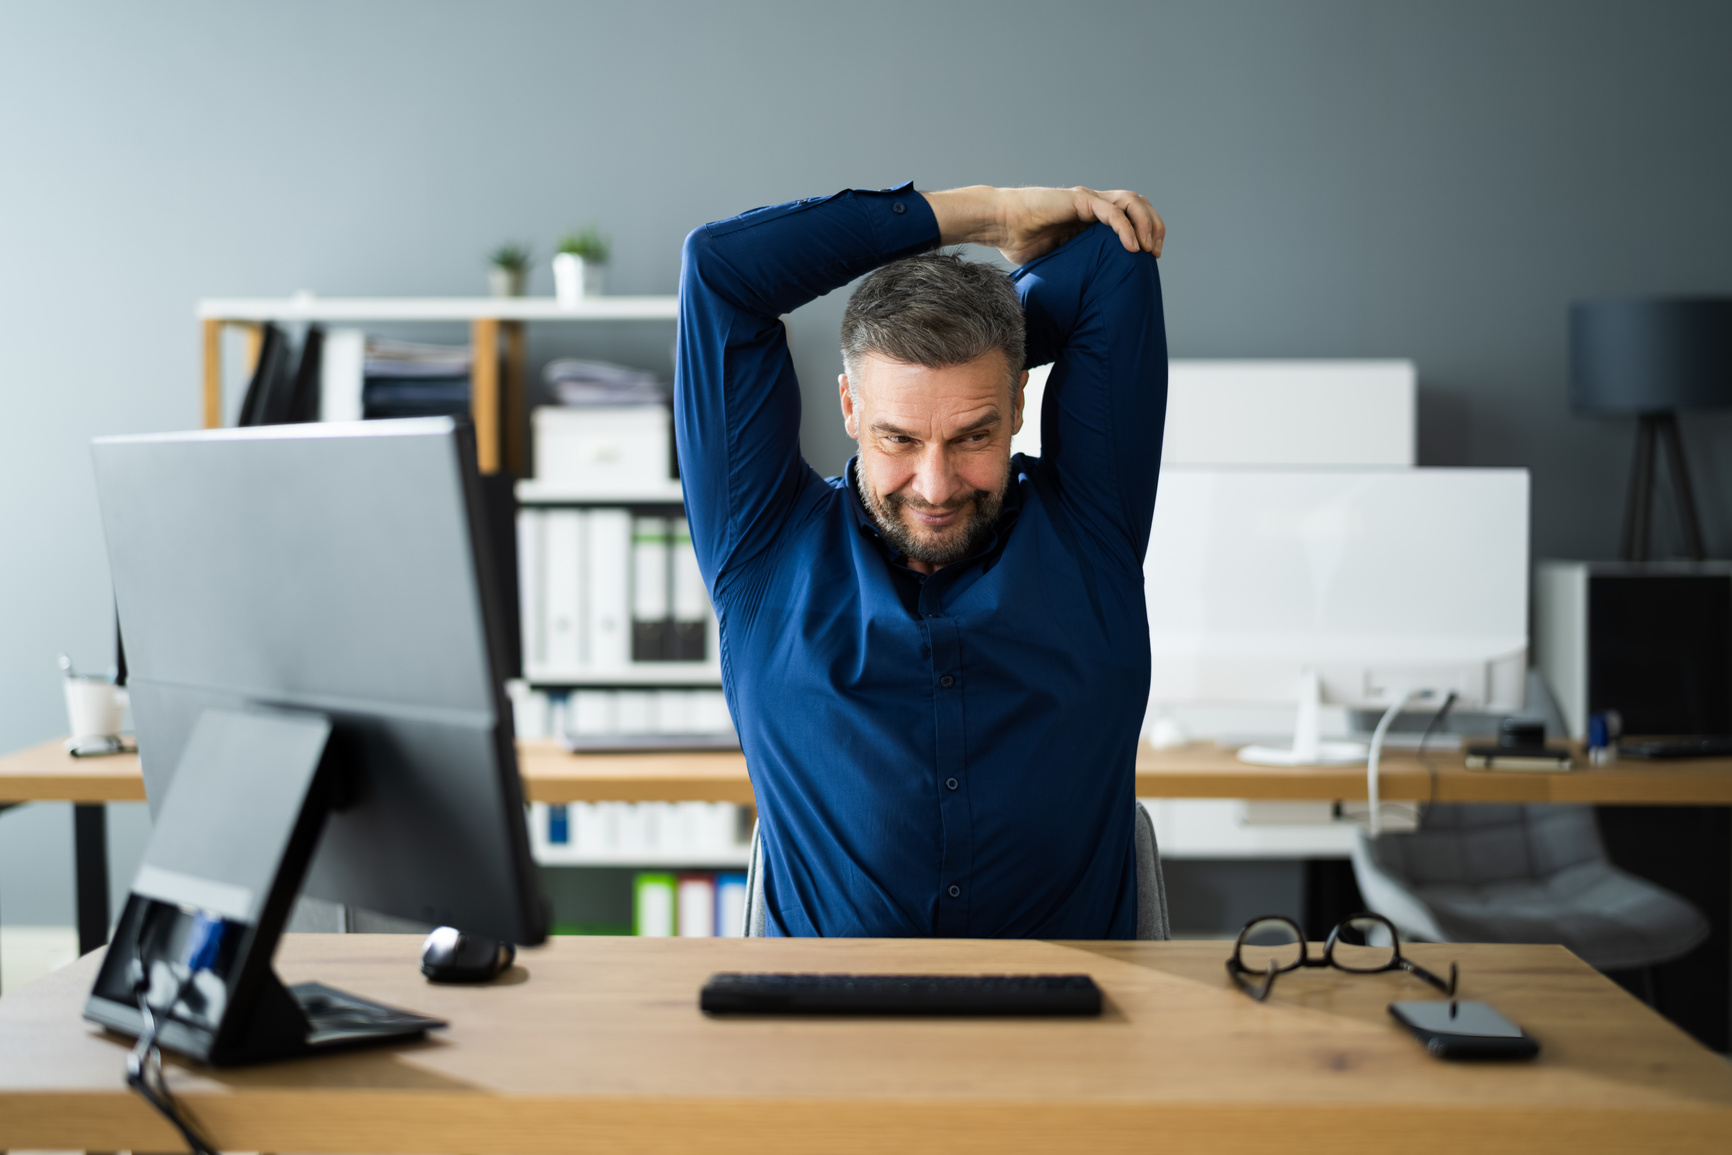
(1652, 358)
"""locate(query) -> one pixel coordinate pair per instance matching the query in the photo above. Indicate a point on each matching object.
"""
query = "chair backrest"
(1476, 845)
(1152, 922)
(754, 913)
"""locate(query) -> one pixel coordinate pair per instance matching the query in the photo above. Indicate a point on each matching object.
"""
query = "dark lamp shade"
(1655, 355)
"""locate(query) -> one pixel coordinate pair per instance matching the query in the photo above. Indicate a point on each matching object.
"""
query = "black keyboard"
(797, 994)
(1716, 746)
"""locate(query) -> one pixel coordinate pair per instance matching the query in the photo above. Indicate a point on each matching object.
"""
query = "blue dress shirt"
(947, 755)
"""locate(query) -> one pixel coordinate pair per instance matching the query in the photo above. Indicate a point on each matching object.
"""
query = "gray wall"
(1434, 181)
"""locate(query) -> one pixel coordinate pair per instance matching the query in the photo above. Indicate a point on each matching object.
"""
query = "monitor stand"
(1307, 749)
(228, 850)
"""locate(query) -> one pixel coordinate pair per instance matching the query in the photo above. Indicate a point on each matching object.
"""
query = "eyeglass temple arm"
(1239, 974)
(1447, 988)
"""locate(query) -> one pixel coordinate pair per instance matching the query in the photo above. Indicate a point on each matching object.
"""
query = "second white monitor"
(1380, 580)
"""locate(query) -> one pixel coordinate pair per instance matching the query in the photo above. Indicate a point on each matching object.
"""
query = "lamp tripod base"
(1651, 430)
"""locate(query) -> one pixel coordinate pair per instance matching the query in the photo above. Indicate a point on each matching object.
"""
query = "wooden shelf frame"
(498, 388)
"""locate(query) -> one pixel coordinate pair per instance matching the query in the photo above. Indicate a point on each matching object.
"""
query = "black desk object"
(845, 994)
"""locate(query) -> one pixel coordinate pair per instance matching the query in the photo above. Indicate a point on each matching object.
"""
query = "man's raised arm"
(1092, 297)
(736, 400)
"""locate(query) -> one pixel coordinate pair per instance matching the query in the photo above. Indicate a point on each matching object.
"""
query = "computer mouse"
(450, 956)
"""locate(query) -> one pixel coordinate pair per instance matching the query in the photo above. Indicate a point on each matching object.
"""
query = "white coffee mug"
(95, 707)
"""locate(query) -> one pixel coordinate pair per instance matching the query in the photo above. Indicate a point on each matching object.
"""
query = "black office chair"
(1152, 924)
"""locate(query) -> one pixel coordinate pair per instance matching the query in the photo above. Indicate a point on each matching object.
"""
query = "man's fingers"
(1156, 233)
(1149, 226)
(1104, 210)
(1151, 230)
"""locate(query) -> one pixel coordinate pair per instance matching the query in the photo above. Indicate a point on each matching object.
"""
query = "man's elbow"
(696, 254)
(1128, 273)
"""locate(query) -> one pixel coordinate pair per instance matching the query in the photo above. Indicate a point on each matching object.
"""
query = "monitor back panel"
(332, 568)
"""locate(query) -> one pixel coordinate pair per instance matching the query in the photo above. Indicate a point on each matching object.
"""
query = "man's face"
(934, 451)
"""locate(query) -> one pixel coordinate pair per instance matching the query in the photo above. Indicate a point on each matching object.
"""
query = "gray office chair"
(1523, 874)
(1152, 921)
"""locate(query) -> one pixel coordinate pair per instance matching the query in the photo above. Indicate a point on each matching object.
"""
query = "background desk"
(598, 1046)
(45, 773)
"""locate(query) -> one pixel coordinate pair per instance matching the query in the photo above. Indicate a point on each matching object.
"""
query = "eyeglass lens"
(1364, 944)
(1270, 941)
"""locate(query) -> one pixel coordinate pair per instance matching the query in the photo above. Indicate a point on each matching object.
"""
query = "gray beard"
(975, 533)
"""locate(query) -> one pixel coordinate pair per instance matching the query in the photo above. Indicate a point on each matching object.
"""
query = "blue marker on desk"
(1604, 730)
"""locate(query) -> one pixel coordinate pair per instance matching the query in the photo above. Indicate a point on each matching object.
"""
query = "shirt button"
(952, 783)
(898, 207)
(955, 891)
(947, 681)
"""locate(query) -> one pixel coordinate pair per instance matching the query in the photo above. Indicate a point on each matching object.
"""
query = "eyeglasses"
(1363, 944)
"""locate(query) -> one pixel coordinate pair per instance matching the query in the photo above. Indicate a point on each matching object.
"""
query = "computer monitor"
(316, 653)
(1348, 586)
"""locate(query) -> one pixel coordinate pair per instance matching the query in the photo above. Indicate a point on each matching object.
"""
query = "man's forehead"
(969, 393)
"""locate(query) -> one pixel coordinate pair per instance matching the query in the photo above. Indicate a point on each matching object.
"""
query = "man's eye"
(900, 439)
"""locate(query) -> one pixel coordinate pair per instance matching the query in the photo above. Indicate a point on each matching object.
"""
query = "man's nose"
(935, 477)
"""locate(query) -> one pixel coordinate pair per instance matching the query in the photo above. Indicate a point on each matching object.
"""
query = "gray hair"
(936, 310)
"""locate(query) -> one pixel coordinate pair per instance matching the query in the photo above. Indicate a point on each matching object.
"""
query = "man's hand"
(1025, 223)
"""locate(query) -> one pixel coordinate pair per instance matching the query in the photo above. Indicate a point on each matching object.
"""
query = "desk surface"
(1201, 770)
(597, 1044)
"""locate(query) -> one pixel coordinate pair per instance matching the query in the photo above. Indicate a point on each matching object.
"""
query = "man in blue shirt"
(938, 662)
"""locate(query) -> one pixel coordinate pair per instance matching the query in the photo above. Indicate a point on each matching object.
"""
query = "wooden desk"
(598, 1045)
(46, 773)
(1204, 770)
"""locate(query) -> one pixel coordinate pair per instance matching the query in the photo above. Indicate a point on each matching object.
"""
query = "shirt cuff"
(902, 221)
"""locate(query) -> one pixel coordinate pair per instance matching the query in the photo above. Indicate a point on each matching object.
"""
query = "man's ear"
(1018, 394)
(850, 419)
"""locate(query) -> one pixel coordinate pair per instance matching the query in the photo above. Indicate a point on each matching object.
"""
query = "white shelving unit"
(533, 492)
(497, 392)
(310, 307)
(650, 836)
(643, 676)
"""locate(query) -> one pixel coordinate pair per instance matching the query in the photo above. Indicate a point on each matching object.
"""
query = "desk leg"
(1331, 895)
(1687, 850)
(90, 863)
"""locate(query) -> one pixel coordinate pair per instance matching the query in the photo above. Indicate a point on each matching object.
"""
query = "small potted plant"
(578, 265)
(508, 271)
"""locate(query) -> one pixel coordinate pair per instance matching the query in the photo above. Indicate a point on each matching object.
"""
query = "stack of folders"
(638, 833)
(700, 905)
(605, 592)
(409, 379)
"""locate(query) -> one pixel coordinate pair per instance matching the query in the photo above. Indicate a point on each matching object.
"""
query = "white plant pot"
(575, 278)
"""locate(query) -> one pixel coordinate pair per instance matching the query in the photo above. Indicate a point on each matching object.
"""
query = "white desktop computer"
(1364, 587)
